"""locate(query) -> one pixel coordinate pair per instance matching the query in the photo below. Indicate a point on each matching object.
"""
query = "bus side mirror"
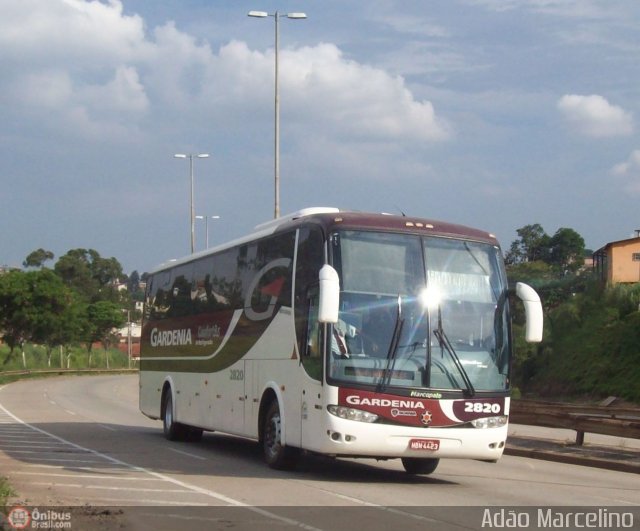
(329, 295)
(532, 310)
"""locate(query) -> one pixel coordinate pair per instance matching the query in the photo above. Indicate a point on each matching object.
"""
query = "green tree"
(94, 277)
(32, 304)
(567, 250)
(37, 258)
(102, 318)
(532, 245)
(17, 312)
(63, 326)
(133, 283)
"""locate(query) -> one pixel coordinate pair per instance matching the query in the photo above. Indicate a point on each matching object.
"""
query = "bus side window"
(158, 296)
(309, 261)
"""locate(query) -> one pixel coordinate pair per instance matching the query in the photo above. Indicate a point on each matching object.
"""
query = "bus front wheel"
(418, 465)
(276, 454)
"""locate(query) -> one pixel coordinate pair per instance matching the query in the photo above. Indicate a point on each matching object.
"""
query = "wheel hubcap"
(168, 414)
(272, 436)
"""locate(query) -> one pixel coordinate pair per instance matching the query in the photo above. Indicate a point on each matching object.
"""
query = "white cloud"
(629, 172)
(80, 30)
(358, 99)
(563, 8)
(124, 93)
(594, 116)
(96, 67)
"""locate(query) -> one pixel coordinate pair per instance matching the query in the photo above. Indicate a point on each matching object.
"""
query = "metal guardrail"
(603, 419)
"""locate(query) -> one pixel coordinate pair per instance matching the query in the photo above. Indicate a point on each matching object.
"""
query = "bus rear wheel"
(420, 465)
(172, 430)
(276, 454)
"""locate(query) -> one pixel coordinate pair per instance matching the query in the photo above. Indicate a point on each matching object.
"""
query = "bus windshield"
(419, 312)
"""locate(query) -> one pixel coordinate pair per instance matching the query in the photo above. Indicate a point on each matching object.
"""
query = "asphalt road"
(81, 441)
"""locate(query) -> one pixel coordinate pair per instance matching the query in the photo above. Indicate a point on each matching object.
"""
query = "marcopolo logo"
(170, 338)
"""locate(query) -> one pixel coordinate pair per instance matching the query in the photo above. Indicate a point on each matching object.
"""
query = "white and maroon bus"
(340, 333)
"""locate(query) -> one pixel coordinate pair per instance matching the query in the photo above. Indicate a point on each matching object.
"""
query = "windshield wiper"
(444, 342)
(393, 347)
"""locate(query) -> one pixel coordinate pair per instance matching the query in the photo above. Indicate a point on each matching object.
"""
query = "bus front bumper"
(351, 438)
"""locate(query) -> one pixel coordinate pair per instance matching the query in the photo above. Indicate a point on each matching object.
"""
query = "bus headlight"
(490, 422)
(349, 413)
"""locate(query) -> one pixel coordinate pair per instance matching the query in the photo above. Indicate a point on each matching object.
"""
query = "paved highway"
(81, 441)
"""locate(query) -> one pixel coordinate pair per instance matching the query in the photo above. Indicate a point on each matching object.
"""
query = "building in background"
(619, 262)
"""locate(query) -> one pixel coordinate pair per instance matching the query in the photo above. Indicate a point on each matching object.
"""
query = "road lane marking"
(60, 460)
(38, 446)
(146, 501)
(188, 454)
(106, 487)
(193, 488)
(84, 476)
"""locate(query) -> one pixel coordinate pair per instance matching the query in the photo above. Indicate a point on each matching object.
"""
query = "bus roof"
(329, 217)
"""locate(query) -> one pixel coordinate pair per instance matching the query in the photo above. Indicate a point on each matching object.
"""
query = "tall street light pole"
(190, 156)
(277, 16)
(206, 225)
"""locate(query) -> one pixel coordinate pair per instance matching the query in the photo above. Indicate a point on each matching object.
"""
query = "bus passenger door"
(312, 409)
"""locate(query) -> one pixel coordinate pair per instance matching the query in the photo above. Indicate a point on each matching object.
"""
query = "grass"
(6, 491)
(76, 359)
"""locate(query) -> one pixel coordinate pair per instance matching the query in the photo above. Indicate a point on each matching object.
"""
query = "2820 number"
(481, 407)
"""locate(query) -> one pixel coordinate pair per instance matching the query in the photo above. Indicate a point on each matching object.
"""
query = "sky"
(490, 113)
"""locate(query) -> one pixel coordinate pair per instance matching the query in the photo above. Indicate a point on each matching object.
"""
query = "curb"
(617, 459)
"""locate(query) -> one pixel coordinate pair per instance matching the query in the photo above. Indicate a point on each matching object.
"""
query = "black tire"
(173, 431)
(420, 465)
(275, 453)
(193, 434)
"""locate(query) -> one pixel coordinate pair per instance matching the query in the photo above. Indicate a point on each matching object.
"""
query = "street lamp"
(192, 211)
(276, 16)
(206, 221)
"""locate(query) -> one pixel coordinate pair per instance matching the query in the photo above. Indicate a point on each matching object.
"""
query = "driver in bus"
(342, 339)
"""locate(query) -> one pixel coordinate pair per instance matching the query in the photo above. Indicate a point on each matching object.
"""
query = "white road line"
(111, 468)
(60, 460)
(105, 487)
(32, 437)
(34, 452)
(83, 476)
(31, 445)
(375, 505)
(193, 488)
(188, 454)
(146, 501)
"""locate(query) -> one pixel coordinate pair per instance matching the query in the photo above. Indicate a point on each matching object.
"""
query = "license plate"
(430, 445)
